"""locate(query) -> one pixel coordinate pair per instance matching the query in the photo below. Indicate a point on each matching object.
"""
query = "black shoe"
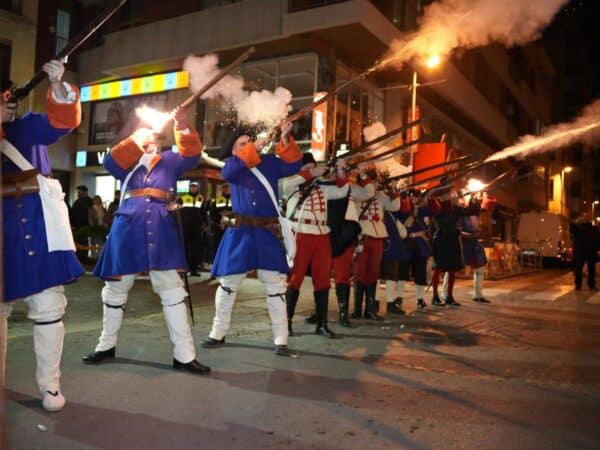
(421, 304)
(435, 301)
(481, 300)
(312, 319)
(372, 304)
(283, 350)
(395, 308)
(290, 330)
(193, 367)
(323, 330)
(343, 296)
(577, 288)
(98, 357)
(212, 343)
(451, 302)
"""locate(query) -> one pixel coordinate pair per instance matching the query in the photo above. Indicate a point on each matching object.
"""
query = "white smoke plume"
(374, 131)
(585, 129)
(450, 24)
(253, 107)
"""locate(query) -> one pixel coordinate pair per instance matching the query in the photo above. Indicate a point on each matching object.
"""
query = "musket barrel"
(22, 92)
(218, 77)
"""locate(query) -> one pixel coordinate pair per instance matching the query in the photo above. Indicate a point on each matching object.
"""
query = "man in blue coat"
(32, 270)
(144, 238)
(251, 241)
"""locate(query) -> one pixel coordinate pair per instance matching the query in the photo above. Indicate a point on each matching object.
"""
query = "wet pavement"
(522, 372)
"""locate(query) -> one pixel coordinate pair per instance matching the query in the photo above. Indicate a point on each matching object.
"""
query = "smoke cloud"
(253, 107)
(585, 129)
(450, 24)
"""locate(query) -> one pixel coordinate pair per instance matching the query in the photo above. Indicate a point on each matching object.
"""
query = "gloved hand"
(180, 117)
(55, 70)
(146, 159)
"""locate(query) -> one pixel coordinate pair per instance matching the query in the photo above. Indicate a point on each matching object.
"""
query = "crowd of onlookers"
(201, 226)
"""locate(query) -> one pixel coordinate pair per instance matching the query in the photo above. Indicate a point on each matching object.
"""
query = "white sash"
(54, 208)
(287, 226)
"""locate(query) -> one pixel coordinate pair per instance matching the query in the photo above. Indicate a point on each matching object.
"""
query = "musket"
(468, 168)
(428, 168)
(218, 77)
(365, 146)
(402, 148)
(175, 211)
(22, 92)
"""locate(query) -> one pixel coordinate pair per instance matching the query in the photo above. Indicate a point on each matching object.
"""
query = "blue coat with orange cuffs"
(144, 235)
(248, 248)
(28, 266)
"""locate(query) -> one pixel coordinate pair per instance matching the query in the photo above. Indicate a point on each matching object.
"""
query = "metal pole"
(413, 117)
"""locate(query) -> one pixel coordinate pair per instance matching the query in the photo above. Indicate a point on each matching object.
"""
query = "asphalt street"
(520, 373)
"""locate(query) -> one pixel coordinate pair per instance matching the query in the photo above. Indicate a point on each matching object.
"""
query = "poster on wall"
(113, 120)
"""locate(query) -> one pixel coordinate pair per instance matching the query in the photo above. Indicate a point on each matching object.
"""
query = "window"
(63, 20)
(295, 73)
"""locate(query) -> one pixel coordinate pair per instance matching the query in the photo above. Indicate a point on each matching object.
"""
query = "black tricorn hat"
(234, 134)
(308, 158)
(5, 84)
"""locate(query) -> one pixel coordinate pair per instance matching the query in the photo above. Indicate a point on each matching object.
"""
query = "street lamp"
(431, 63)
(563, 197)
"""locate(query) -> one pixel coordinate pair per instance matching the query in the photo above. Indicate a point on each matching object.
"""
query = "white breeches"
(478, 275)
(275, 286)
(46, 309)
(168, 285)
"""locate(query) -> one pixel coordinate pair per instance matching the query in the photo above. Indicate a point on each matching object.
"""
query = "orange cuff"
(126, 153)
(188, 144)
(249, 155)
(63, 115)
(291, 153)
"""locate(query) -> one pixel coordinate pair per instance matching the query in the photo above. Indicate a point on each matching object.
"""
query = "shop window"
(298, 75)
(260, 76)
(63, 21)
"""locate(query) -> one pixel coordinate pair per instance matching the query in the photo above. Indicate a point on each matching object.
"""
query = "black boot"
(372, 306)
(291, 299)
(322, 300)
(451, 302)
(395, 307)
(359, 291)
(435, 301)
(343, 296)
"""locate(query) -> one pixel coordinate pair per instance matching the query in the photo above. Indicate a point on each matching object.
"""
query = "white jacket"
(311, 216)
(371, 221)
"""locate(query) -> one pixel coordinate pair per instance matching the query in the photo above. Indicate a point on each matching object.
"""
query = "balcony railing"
(301, 5)
(13, 6)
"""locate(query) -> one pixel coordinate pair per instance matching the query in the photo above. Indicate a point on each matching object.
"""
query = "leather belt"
(319, 223)
(238, 220)
(417, 234)
(158, 194)
(20, 183)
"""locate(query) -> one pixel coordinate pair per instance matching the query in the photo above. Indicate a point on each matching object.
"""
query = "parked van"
(546, 233)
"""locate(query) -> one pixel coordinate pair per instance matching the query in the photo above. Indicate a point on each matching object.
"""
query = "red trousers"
(342, 266)
(313, 250)
(368, 262)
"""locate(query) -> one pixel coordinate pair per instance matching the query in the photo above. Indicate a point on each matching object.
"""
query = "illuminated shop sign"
(135, 86)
